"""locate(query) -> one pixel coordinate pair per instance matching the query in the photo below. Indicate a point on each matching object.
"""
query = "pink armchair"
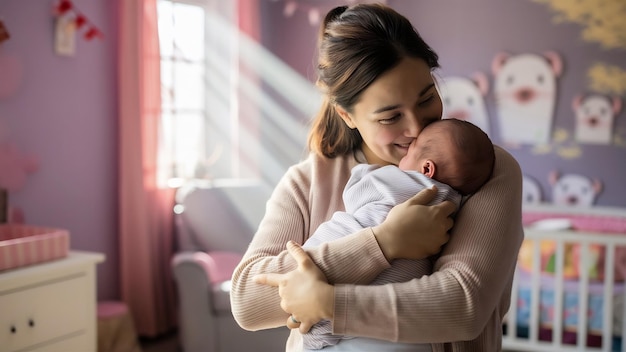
(215, 222)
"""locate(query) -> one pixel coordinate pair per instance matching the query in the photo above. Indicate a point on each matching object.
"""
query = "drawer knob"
(31, 322)
(13, 329)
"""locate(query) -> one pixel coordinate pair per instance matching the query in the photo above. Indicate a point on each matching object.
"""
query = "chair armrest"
(217, 266)
(202, 328)
(193, 282)
(196, 274)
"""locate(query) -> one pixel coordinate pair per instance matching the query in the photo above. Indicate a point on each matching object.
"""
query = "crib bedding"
(569, 280)
(571, 305)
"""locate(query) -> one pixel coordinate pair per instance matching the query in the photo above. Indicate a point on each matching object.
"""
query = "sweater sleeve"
(293, 212)
(464, 296)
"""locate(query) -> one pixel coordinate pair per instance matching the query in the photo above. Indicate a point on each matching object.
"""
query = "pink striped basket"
(22, 245)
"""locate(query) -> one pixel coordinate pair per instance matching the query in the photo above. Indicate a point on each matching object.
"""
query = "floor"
(169, 343)
(166, 343)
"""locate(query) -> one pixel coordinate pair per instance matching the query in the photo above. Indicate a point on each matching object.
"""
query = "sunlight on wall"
(231, 108)
(287, 130)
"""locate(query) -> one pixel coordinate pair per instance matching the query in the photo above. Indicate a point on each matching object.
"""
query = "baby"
(454, 155)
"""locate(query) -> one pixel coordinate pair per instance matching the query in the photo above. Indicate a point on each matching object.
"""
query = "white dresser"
(51, 306)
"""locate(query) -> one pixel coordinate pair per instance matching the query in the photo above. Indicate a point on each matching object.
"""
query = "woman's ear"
(345, 116)
(428, 168)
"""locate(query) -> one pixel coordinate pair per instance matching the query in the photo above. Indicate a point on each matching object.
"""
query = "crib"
(569, 285)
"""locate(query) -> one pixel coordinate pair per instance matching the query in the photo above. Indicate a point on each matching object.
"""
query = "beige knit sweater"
(462, 302)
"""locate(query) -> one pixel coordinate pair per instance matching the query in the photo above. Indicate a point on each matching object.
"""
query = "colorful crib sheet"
(572, 252)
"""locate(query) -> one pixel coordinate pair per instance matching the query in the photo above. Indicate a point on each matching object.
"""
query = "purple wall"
(467, 35)
(64, 112)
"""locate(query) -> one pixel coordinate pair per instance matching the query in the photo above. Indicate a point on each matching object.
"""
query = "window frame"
(221, 131)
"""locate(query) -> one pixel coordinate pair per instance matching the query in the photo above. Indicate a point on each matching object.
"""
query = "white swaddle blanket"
(368, 197)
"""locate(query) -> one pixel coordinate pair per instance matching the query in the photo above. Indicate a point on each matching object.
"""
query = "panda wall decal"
(464, 99)
(525, 90)
(531, 190)
(574, 190)
(595, 117)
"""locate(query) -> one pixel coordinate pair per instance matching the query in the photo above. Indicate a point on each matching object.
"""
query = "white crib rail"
(610, 242)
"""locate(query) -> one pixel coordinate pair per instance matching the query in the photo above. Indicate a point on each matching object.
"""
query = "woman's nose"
(413, 127)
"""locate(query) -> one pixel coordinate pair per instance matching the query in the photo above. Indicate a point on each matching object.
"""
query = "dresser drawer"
(78, 343)
(45, 313)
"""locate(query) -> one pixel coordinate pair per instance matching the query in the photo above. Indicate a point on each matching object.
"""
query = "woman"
(375, 72)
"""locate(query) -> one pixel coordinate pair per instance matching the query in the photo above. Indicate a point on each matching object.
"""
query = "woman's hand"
(414, 230)
(304, 292)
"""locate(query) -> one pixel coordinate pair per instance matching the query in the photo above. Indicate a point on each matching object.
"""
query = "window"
(195, 86)
(230, 107)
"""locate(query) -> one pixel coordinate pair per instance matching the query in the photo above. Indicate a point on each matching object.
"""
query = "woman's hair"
(356, 45)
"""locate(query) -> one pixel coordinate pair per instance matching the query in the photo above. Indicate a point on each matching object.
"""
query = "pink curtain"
(145, 210)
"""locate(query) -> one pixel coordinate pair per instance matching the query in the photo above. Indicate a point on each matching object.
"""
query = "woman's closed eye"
(427, 101)
(389, 120)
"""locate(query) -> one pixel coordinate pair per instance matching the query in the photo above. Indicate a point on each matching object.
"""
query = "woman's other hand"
(304, 292)
(414, 230)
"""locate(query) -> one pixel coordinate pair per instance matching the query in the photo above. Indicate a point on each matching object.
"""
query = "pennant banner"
(67, 8)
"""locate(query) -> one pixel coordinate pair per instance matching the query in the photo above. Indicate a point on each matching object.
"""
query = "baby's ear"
(428, 168)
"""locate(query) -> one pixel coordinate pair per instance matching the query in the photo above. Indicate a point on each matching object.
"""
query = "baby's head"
(454, 152)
